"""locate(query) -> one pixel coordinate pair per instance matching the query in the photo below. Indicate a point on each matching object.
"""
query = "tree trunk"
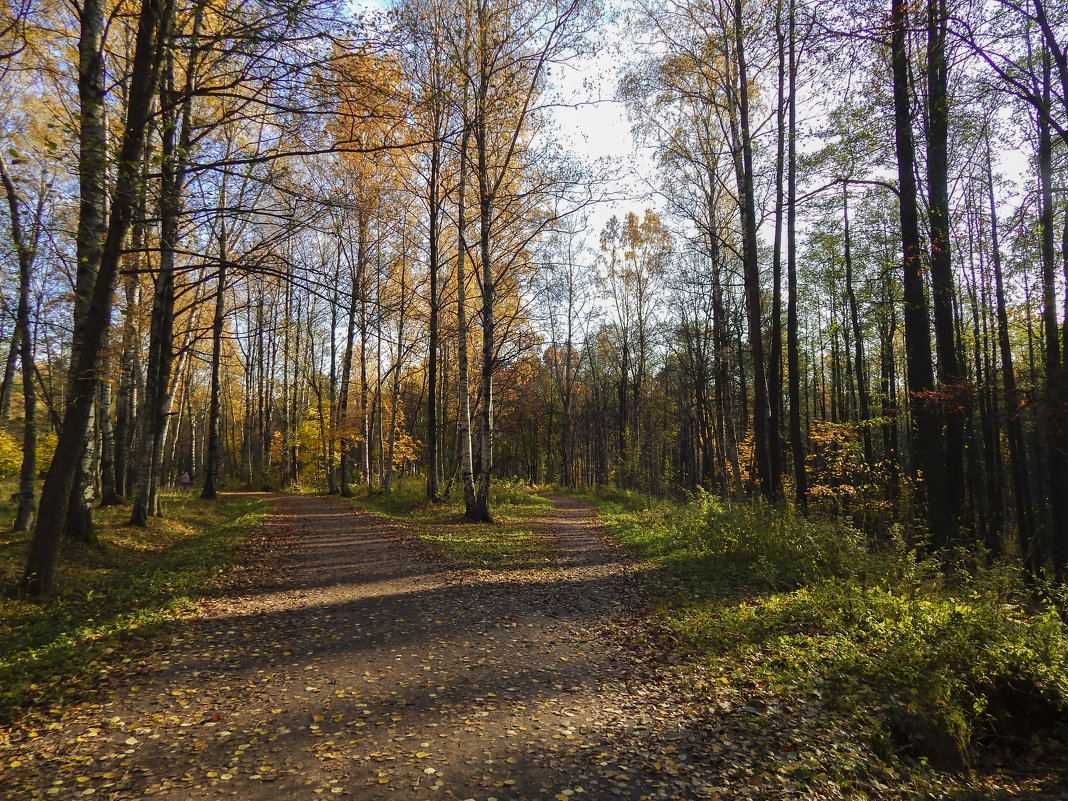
(859, 369)
(793, 358)
(768, 481)
(467, 462)
(109, 495)
(214, 453)
(127, 399)
(91, 324)
(161, 337)
(927, 434)
(9, 370)
(365, 417)
(83, 493)
(952, 396)
(432, 455)
(1056, 412)
(355, 274)
(398, 366)
(485, 197)
(775, 388)
(25, 251)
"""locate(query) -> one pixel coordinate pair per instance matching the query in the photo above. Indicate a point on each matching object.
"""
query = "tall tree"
(25, 250)
(93, 314)
(952, 393)
(927, 437)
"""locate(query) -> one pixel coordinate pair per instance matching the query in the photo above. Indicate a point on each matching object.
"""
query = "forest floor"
(348, 659)
(347, 656)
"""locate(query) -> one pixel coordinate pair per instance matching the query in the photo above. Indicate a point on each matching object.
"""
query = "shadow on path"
(363, 665)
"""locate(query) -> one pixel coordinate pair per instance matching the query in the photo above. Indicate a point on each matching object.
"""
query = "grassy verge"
(512, 543)
(111, 597)
(873, 670)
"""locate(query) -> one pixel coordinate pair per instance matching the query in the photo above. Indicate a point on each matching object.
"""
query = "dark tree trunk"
(775, 388)
(927, 433)
(485, 468)
(127, 398)
(214, 451)
(1056, 412)
(83, 494)
(356, 279)
(793, 357)
(952, 394)
(768, 481)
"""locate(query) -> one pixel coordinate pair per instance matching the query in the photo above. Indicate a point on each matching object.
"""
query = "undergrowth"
(110, 596)
(953, 668)
(512, 542)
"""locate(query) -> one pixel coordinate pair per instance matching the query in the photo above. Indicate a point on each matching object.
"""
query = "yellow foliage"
(10, 455)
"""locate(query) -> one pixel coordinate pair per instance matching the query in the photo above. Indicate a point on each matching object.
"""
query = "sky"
(587, 119)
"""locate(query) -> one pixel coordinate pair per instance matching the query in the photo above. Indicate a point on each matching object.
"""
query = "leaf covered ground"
(113, 596)
(403, 654)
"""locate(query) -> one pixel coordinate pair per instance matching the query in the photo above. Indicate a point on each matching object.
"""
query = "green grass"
(512, 543)
(933, 669)
(110, 597)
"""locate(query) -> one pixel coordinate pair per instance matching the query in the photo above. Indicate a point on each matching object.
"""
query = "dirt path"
(365, 666)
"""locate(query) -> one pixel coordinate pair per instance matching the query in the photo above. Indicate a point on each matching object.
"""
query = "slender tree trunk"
(775, 388)
(952, 395)
(768, 482)
(365, 412)
(27, 507)
(859, 369)
(486, 203)
(214, 452)
(793, 358)
(127, 400)
(398, 367)
(1056, 412)
(109, 495)
(25, 250)
(927, 434)
(332, 428)
(346, 376)
(378, 406)
(467, 462)
(161, 336)
(10, 363)
(988, 500)
(432, 455)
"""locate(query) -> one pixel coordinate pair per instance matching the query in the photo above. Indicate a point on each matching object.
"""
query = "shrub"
(10, 455)
(936, 664)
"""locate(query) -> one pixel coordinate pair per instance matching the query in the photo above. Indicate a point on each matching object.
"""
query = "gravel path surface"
(363, 665)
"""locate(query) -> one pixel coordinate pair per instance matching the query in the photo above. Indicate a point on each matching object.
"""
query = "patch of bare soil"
(348, 660)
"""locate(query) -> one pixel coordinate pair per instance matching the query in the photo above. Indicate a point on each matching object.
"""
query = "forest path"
(357, 663)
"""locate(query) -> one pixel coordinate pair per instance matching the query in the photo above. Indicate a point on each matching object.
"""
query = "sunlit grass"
(930, 666)
(510, 543)
(110, 597)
